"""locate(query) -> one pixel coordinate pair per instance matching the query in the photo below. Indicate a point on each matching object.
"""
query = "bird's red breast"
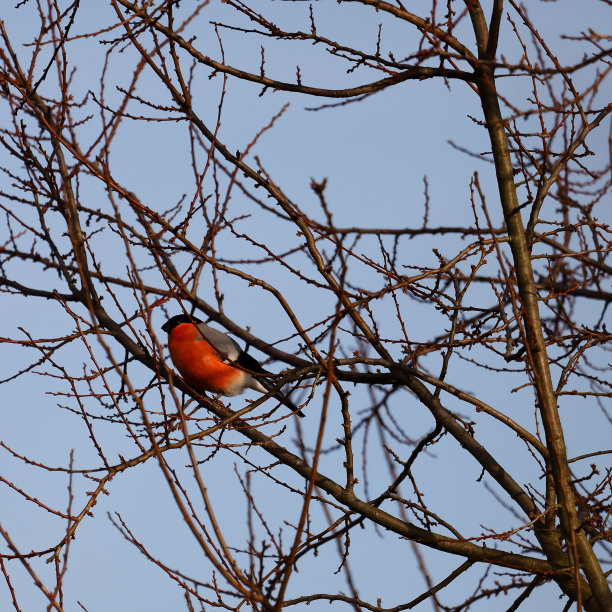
(198, 362)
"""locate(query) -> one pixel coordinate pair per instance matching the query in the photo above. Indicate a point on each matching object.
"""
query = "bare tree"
(375, 327)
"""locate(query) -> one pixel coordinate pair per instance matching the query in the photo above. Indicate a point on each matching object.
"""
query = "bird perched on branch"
(210, 360)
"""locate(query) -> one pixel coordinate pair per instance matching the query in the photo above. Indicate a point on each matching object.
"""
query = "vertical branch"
(536, 346)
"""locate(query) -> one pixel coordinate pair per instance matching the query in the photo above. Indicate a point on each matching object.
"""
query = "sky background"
(374, 154)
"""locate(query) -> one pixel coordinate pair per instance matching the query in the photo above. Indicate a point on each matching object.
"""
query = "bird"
(210, 360)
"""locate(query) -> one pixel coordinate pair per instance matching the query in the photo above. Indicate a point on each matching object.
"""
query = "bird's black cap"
(170, 324)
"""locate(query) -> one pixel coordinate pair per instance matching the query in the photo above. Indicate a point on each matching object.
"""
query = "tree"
(441, 378)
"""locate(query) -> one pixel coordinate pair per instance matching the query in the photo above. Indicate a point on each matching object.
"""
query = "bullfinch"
(210, 360)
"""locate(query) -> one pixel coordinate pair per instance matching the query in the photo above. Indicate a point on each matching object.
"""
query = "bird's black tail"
(252, 365)
(280, 396)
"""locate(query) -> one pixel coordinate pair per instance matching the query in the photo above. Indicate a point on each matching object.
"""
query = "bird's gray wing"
(226, 346)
